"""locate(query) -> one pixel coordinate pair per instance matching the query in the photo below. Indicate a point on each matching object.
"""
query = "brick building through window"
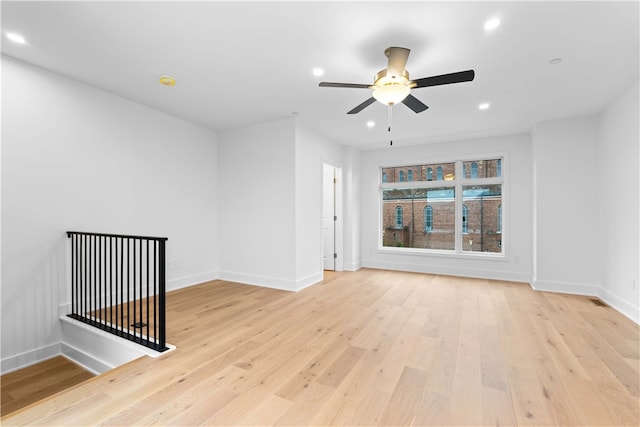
(425, 217)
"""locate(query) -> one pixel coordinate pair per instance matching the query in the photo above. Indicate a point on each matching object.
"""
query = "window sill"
(482, 256)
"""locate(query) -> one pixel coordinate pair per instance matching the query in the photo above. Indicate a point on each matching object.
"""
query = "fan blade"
(445, 79)
(362, 106)
(397, 60)
(349, 85)
(414, 103)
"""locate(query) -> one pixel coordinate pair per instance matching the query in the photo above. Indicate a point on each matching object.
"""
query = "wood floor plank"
(497, 408)
(372, 347)
(626, 374)
(306, 406)
(406, 398)
(266, 413)
(341, 407)
(466, 392)
(339, 369)
(26, 386)
(435, 410)
(370, 408)
(314, 366)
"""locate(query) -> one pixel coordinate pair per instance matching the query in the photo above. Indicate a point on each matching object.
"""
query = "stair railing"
(118, 284)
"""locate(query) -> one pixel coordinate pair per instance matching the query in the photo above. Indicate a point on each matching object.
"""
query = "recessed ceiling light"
(555, 61)
(318, 72)
(167, 81)
(371, 124)
(484, 106)
(17, 38)
(492, 24)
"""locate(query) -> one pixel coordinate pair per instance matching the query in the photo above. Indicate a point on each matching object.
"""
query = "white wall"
(311, 152)
(567, 232)
(517, 217)
(618, 193)
(256, 219)
(352, 218)
(270, 219)
(76, 158)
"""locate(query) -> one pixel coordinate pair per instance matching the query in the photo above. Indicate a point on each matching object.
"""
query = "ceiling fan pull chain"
(389, 128)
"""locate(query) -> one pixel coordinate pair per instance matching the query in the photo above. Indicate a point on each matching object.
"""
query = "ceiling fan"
(392, 85)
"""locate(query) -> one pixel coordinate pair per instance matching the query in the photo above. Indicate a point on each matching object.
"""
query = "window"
(455, 213)
(482, 169)
(465, 219)
(399, 221)
(474, 169)
(428, 218)
(384, 177)
(483, 202)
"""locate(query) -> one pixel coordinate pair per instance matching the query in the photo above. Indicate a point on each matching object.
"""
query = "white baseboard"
(310, 280)
(449, 271)
(590, 290)
(263, 281)
(196, 279)
(620, 305)
(89, 363)
(271, 282)
(352, 266)
(22, 360)
(565, 287)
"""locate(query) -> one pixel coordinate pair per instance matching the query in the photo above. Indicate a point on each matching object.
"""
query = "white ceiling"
(238, 63)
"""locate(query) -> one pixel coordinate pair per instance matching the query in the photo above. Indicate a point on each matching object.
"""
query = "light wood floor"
(371, 348)
(31, 384)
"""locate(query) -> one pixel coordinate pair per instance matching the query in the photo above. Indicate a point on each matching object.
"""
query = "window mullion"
(458, 207)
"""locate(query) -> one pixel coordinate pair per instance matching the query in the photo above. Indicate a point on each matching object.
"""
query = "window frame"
(457, 184)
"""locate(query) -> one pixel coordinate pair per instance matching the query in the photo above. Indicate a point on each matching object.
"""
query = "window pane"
(482, 168)
(465, 219)
(428, 218)
(482, 218)
(438, 232)
(428, 172)
(399, 222)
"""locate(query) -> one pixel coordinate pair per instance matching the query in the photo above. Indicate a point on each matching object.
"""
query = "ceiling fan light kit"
(391, 89)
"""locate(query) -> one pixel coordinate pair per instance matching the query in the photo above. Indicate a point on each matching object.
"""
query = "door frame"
(338, 209)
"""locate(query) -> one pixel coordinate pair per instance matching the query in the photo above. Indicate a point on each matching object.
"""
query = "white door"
(329, 217)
